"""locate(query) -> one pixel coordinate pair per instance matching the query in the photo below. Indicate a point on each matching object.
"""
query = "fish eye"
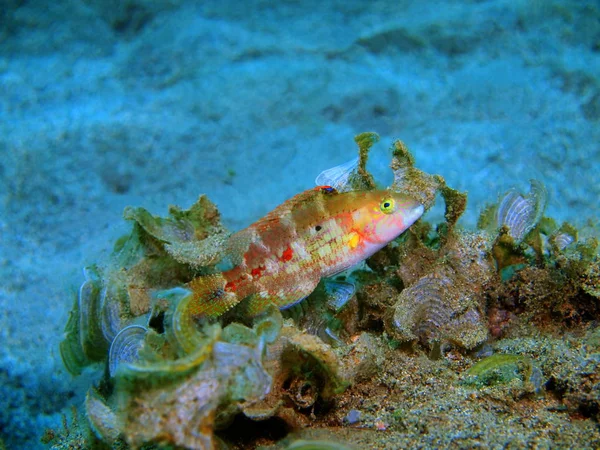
(318, 228)
(387, 205)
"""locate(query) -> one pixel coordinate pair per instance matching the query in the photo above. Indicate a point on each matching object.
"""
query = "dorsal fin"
(339, 176)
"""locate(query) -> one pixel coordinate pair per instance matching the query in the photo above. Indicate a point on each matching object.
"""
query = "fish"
(281, 258)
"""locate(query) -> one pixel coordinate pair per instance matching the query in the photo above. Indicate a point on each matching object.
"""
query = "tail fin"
(204, 296)
(209, 297)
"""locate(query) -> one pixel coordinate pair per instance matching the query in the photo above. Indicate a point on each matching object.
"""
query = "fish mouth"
(414, 214)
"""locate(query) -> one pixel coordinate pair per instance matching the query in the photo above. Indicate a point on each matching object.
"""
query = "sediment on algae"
(446, 325)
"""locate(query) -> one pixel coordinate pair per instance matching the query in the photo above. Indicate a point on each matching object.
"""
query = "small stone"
(380, 425)
(352, 417)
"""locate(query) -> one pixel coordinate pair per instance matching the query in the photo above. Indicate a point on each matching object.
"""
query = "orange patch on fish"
(354, 240)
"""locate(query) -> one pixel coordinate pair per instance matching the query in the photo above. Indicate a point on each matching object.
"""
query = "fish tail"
(204, 296)
(209, 298)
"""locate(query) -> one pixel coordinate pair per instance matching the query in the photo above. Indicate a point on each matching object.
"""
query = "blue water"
(105, 104)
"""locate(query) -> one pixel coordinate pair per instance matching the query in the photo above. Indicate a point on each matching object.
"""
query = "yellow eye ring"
(387, 205)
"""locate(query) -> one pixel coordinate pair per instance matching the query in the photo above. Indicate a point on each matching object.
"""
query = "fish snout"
(411, 213)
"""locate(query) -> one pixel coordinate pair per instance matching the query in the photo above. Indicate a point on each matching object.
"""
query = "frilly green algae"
(103, 421)
(150, 258)
(153, 403)
(194, 236)
(170, 391)
(363, 179)
(184, 410)
(408, 179)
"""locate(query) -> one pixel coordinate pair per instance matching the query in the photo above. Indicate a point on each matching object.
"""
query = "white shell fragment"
(521, 213)
(563, 240)
(338, 177)
(109, 314)
(125, 347)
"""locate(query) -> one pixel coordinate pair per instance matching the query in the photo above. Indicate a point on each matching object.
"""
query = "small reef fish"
(281, 258)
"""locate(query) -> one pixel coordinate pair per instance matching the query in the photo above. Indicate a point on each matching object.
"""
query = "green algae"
(152, 256)
(421, 186)
(305, 444)
(193, 236)
(363, 180)
(456, 204)
(499, 369)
